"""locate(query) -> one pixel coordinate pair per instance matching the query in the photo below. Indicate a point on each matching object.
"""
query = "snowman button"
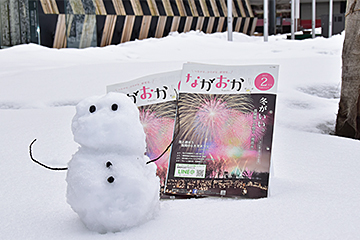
(108, 164)
(114, 107)
(111, 179)
(92, 108)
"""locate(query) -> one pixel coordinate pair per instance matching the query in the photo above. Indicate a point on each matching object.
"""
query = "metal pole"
(313, 19)
(297, 15)
(229, 20)
(1, 30)
(266, 24)
(292, 19)
(330, 17)
(38, 21)
(272, 17)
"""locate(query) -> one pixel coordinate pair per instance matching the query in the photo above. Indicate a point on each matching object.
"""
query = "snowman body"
(110, 186)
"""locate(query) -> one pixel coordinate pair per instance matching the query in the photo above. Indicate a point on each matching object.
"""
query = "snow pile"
(109, 184)
(313, 188)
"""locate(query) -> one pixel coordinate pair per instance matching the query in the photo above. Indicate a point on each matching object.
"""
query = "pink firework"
(247, 173)
(240, 139)
(204, 116)
(237, 131)
(158, 122)
(159, 131)
(211, 118)
(243, 130)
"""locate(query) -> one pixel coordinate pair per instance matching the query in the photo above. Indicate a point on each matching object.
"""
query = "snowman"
(110, 186)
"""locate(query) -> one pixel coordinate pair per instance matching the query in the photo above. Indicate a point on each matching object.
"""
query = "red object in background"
(306, 24)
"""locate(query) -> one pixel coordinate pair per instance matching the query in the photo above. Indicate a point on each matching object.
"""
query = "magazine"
(155, 96)
(223, 132)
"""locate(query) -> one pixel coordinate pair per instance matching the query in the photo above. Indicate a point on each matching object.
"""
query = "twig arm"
(41, 164)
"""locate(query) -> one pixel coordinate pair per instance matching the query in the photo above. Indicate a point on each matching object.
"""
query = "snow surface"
(313, 186)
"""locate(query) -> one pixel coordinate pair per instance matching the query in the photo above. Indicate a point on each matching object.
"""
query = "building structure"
(283, 13)
(84, 23)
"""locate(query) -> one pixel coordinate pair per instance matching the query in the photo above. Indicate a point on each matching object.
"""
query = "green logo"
(182, 171)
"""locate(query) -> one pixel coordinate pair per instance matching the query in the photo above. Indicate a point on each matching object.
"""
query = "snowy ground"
(313, 183)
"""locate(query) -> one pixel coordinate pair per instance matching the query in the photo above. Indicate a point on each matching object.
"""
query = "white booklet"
(223, 132)
(155, 96)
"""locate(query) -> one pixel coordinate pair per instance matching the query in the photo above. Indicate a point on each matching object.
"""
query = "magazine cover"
(224, 130)
(155, 96)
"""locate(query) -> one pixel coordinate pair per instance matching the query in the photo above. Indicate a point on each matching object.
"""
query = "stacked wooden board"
(118, 21)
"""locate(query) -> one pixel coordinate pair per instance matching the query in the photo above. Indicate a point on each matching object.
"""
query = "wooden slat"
(193, 9)
(188, 22)
(99, 7)
(215, 8)
(128, 28)
(60, 37)
(119, 7)
(238, 24)
(242, 10)
(253, 26)
(137, 7)
(248, 6)
(181, 7)
(145, 26)
(234, 12)
(87, 31)
(153, 8)
(246, 25)
(204, 8)
(220, 24)
(77, 6)
(168, 9)
(113, 24)
(175, 24)
(160, 26)
(108, 32)
(210, 25)
(45, 5)
(223, 6)
(200, 23)
(69, 20)
(54, 7)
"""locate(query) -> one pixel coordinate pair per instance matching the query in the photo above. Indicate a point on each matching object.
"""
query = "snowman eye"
(114, 107)
(92, 108)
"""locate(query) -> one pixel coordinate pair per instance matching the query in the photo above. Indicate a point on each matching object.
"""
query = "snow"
(313, 186)
(97, 126)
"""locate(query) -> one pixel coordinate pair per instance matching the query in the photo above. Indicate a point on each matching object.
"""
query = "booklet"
(155, 96)
(223, 131)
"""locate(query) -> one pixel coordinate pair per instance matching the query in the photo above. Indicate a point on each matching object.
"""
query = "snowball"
(130, 199)
(110, 186)
(110, 122)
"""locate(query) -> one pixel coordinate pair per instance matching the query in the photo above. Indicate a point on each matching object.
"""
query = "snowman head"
(109, 123)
